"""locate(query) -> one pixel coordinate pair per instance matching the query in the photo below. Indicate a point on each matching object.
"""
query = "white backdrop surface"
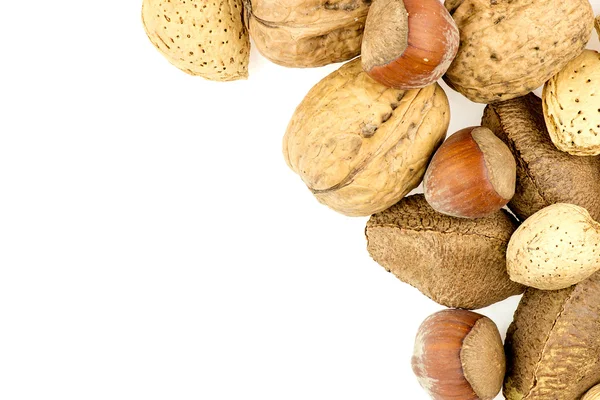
(153, 242)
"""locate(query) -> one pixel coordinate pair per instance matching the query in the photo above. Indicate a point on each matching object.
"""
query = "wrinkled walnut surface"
(360, 146)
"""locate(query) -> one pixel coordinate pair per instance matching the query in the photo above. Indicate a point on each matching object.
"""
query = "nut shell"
(298, 33)
(203, 39)
(554, 248)
(553, 344)
(408, 44)
(592, 394)
(471, 175)
(458, 354)
(456, 262)
(360, 146)
(510, 48)
(572, 106)
(545, 175)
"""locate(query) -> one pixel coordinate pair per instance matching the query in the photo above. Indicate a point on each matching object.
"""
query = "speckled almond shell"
(557, 247)
(298, 33)
(571, 102)
(456, 262)
(360, 146)
(203, 38)
(510, 48)
(545, 175)
(553, 344)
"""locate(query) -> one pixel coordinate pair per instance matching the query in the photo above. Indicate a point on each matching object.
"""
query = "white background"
(154, 244)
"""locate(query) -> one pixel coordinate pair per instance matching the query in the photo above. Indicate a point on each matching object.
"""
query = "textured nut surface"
(201, 38)
(553, 345)
(360, 146)
(312, 33)
(545, 175)
(510, 48)
(456, 262)
(458, 354)
(572, 106)
(597, 24)
(554, 248)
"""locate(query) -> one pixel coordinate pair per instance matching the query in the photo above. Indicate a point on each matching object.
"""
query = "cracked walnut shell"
(360, 146)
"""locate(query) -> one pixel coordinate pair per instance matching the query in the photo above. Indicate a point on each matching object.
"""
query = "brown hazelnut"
(408, 44)
(592, 394)
(472, 175)
(459, 355)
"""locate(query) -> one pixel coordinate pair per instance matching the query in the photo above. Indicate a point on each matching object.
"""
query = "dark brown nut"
(299, 33)
(458, 354)
(471, 175)
(553, 345)
(510, 48)
(456, 262)
(545, 175)
(408, 44)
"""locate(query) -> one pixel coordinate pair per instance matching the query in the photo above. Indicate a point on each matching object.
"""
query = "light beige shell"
(510, 48)
(592, 394)
(300, 33)
(360, 146)
(204, 38)
(555, 248)
(572, 106)
(598, 24)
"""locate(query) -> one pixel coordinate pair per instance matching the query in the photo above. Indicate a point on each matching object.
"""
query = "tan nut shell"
(201, 38)
(360, 146)
(592, 394)
(510, 48)
(572, 106)
(553, 344)
(299, 33)
(598, 24)
(554, 248)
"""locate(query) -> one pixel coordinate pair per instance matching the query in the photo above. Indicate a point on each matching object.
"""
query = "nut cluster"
(509, 207)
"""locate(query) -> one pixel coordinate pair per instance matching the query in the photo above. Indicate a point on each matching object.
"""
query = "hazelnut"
(592, 394)
(472, 175)
(408, 44)
(459, 355)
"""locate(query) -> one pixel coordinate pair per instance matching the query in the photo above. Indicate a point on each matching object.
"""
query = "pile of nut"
(509, 207)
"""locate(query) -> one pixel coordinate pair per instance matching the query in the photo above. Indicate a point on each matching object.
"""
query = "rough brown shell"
(456, 262)
(510, 48)
(298, 33)
(545, 175)
(555, 248)
(572, 106)
(553, 345)
(205, 38)
(360, 146)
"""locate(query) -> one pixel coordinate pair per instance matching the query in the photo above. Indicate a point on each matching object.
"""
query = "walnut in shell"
(545, 175)
(204, 38)
(553, 345)
(456, 262)
(360, 146)
(572, 106)
(555, 248)
(510, 48)
(299, 33)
